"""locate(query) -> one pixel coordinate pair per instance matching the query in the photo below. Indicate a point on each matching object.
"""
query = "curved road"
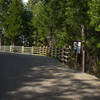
(26, 77)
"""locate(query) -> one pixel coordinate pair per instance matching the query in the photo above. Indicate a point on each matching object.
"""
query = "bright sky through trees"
(25, 0)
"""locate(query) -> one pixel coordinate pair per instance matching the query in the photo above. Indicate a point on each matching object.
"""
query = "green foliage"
(98, 45)
(27, 32)
(4, 4)
(94, 14)
(14, 20)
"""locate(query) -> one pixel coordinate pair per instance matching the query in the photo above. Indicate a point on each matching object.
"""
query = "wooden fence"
(62, 54)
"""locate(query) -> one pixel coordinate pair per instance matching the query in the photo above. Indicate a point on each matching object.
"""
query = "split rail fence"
(62, 54)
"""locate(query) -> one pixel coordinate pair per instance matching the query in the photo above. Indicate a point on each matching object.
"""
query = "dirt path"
(24, 77)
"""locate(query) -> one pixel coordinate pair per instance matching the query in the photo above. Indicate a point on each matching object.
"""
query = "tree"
(94, 13)
(40, 25)
(14, 21)
(45, 19)
(27, 33)
(4, 4)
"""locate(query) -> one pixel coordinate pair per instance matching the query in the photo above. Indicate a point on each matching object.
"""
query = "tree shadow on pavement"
(26, 77)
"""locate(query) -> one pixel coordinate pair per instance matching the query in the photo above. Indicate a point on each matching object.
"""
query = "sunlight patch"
(36, 89)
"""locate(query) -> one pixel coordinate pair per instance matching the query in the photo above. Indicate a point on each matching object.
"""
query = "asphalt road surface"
(30, 77)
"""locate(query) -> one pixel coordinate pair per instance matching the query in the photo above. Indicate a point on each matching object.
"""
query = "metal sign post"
(83, 61)
(77, 48)
(83, 51)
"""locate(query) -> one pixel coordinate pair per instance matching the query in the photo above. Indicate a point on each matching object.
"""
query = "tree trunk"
(12, 43)
(52, 37)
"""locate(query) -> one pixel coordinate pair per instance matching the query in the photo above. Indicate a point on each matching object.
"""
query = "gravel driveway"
(27, 77)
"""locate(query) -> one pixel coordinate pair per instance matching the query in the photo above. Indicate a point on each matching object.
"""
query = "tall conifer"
(14, 20)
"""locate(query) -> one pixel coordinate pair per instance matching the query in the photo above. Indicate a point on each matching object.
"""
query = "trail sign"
(77, 46)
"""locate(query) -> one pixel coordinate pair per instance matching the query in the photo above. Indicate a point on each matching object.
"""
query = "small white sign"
(78, 50)
(75, 45)
(79, 44)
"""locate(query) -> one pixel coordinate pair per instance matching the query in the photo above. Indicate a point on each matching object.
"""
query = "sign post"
(77, 48)
(83, 51)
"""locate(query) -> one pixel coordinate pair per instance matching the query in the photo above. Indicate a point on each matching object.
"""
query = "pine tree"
(4, 4)
(14, 20)
(27, 28)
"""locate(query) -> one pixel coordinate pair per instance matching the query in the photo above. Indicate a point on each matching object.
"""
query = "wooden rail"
(61, 54)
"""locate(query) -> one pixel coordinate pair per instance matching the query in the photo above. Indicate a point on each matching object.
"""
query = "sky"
(25, 0)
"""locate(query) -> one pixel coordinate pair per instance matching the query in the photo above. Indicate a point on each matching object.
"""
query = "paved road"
(25, 77)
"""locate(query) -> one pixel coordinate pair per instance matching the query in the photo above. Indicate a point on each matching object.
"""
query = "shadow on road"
(26, 77)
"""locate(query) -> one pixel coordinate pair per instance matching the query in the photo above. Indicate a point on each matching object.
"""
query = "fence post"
(22, 49)
(0, 46)
(39, 50)
(62, 54)
(32, 50)
(10, 48)
(59, 53)
(66, 55)
(4, 49)
(55, 52)
(52, 51)
(43, 50)
(46, 50)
